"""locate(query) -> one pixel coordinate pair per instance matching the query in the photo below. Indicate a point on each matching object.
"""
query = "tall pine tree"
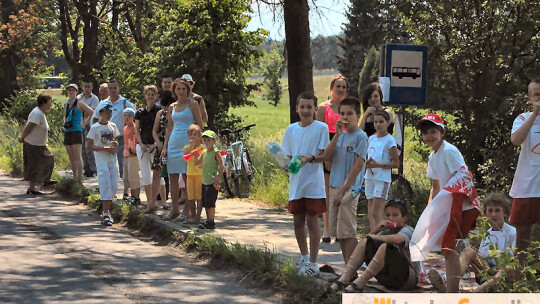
(364, 30)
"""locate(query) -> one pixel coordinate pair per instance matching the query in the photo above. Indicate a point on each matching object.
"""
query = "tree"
(297, 44)
(205, 38)
(80, 36)
(481, 58)
(272, 68)
(364, 30)
(24, 27)
(370, 69)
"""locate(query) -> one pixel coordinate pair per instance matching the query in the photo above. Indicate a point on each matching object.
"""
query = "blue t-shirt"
(349, 147)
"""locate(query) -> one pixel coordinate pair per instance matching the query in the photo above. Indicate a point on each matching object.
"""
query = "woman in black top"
(146, 146)
(371, 101)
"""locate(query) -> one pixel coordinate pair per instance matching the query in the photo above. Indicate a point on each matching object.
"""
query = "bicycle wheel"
(400, 188)
(230, 180)
(246, 175)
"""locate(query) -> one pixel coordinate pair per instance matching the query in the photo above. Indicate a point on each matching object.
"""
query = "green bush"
(71, 188)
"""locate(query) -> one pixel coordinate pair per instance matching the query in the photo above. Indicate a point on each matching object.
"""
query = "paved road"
(55, 251)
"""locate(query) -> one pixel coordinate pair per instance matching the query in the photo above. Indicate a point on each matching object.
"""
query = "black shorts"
(73, 138)
(209, 196)
(397, 268)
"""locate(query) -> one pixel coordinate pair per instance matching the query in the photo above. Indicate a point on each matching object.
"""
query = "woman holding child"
(182, 113)
(328, 113)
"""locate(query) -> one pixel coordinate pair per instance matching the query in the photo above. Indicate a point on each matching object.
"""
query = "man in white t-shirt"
(92, 101)
(38, 160)
(526, 186)
(119, 103)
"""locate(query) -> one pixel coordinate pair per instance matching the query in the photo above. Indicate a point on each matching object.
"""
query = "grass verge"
(260, 267)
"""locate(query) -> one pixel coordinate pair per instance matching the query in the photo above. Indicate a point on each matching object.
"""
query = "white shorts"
(107, 173)
(376, 189)
(145, 164)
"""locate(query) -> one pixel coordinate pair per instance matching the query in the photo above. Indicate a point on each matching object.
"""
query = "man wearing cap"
(77, 116)
(198, 98)
(92, 101)
(118, 103)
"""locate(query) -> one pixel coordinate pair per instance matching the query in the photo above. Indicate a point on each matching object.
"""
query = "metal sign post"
(405, 68)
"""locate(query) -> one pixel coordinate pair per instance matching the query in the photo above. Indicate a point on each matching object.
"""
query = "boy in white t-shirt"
(102, 139)
(501, 237)
(454, 204)
(307, 195)
(526, 186)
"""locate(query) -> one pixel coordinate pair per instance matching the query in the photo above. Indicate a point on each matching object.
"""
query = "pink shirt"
(330, 118)
(129, 140)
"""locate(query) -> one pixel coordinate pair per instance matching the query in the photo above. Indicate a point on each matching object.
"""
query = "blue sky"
(329, 20)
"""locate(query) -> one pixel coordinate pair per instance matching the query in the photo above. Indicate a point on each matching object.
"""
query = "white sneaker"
(438, 280)
(312, 269)
(302, 265)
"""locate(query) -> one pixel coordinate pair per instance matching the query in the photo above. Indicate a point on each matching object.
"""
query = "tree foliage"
(204, 38)
(367, 27)
(272, 68)
(482, 55)
(370, 69)
(24, 38)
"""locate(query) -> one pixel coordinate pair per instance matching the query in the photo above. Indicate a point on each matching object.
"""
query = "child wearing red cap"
(453, 206)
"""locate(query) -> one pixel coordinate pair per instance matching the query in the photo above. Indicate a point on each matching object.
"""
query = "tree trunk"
(297, 44)
(8, 58)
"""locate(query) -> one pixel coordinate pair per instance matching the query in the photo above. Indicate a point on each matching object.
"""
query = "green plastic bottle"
(295, 165)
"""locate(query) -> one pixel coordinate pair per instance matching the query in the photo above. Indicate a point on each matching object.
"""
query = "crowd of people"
(344, 152)
(146, 147)
(163, 148)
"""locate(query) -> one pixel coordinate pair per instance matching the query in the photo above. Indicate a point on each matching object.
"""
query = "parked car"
(53, 82)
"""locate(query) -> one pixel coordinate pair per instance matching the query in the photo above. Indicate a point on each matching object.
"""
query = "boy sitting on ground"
(501, 238)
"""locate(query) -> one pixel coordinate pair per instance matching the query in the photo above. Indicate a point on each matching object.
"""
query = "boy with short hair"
(501, 237)
(307, 196)
(348, 152)
(132, 179)
(212, 168)
(102, 140)
(526, 185)
(454, 205)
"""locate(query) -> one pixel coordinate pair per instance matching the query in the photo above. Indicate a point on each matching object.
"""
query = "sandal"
(337, 286)
(166, 207)
(326, 239)
(355, 288)
(34, 192)
(151, 210)
(171, 216)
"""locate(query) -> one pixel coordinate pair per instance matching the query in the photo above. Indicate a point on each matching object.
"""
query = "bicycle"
(239, 170)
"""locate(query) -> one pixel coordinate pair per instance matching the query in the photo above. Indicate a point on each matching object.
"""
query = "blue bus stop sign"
(406, 67)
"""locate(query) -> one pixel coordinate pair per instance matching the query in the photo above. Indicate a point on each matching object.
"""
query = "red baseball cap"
(433, 118)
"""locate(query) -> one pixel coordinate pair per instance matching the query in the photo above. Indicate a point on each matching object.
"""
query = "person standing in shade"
(198, 98)
(92, 101)
(146, 147)
(118, 103)
(166, 86)
(103, 91)
(77, 116)
(38, 161)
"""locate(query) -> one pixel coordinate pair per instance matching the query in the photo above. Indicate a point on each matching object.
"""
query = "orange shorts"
(461, 222)
(311, 206)
(525, 211)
